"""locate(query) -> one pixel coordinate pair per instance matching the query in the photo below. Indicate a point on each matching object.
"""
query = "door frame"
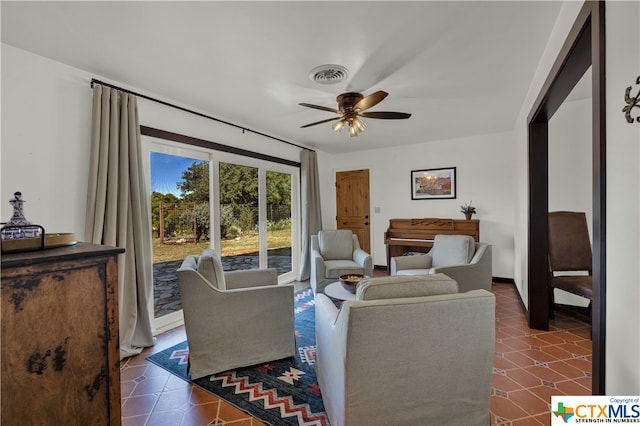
(584, 47)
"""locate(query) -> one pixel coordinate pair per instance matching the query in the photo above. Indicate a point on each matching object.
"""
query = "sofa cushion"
(452, 250)
(336, 244)
(405, 286)
(210, 267)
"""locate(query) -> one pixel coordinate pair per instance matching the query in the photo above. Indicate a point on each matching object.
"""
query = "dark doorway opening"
(584, 48)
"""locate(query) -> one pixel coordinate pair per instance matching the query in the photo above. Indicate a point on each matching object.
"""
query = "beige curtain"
(117, 210)
(311, 213)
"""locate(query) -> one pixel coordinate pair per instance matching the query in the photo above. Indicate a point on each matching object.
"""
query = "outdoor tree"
(278, 189)
(194, 186)
(238, 192)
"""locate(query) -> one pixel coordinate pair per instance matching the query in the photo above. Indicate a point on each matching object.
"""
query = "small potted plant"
(468, 210)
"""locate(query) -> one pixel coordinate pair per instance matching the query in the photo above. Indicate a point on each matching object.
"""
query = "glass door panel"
(239, 217)
(180, 218)
(279, 240)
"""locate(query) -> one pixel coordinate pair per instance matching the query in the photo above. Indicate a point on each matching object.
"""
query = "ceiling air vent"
(328, 74)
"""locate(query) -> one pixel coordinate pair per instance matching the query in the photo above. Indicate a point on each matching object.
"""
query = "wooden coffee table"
(336, 291)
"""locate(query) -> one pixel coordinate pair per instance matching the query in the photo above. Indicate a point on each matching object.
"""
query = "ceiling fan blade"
(386, 115)
(320, 122)
(371, 100)
(323, 108)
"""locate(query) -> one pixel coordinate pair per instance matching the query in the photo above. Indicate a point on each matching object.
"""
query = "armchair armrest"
(325, 309)
(251, 278)
(419, 261)
(363, 259)
(477, 274)
(318, 268)
(330, 349)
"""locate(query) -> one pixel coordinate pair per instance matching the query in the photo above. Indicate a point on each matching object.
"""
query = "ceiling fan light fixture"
(351, 107)
(328, 74)
(359, 124)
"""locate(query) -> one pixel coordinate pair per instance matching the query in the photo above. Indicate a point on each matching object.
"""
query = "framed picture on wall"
(432, 184)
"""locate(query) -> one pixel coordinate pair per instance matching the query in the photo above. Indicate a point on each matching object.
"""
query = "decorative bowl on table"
(350, 281)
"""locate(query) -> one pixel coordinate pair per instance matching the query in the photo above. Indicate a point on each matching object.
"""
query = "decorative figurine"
(18, 227)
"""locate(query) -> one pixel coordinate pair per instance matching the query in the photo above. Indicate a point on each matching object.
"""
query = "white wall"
(484, 172)
(623, 188)
(46, 124)
(623, 202)
(570, 158)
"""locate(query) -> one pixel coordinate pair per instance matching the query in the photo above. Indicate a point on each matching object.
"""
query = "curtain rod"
(244, 129)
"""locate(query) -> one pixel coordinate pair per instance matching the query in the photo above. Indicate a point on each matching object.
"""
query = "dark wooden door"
(352, 205)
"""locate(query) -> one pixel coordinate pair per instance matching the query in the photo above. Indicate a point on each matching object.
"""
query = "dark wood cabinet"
(60, 360)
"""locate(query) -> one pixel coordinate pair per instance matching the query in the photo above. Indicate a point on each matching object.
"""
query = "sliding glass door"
(239, 216)
(246, 209)
(279, 236)
(180, 218)
(255, 218)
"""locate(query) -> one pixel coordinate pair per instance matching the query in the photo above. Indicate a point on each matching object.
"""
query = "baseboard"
(503, 280)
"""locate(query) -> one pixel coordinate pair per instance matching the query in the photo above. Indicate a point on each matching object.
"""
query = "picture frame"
(430, 184)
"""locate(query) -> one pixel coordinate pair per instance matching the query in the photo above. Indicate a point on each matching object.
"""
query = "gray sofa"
(410, 350)
(334, 253)
(234, 319)
(458, 256)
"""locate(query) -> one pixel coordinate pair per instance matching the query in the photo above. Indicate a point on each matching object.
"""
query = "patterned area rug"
(283, 392)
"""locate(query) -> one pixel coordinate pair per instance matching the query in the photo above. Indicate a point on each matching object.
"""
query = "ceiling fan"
(352, 106)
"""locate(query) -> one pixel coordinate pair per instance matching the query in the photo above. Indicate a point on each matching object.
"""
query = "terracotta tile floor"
(529, 367)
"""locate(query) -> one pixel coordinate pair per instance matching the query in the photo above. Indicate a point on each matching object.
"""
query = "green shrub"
(227, 220)
(279, 225)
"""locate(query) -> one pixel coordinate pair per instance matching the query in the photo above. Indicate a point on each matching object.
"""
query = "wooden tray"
(30, 244)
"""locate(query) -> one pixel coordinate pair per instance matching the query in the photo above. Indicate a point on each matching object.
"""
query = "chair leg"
(552, 303)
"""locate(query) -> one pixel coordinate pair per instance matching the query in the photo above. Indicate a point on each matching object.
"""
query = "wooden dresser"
(60, 355)
(416, 235)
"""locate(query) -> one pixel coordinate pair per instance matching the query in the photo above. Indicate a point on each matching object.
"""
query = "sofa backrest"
(451, 250)
(336, 244)
(399, 286)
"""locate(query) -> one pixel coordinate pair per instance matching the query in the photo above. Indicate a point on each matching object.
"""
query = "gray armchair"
(234, 319)
(458, 256)
(334, 253)
(429, 347)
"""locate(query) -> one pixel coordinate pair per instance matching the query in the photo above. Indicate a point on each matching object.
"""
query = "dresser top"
(76, 251)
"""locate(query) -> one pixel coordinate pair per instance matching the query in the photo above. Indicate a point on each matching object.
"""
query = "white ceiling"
(460, 68)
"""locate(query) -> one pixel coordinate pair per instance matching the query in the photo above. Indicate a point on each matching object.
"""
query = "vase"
(468, 215)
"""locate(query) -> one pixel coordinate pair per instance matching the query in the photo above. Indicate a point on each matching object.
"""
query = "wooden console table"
(60, 351)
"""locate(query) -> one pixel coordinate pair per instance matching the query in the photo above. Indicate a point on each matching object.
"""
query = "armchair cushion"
(335, 268)
(336, 244)
(250, 278)
(452, 250)
(405, 286)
